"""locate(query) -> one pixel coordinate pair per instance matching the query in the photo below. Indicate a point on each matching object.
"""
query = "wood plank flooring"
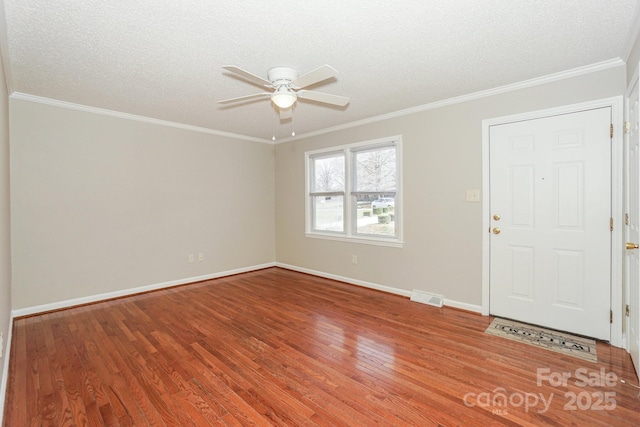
(277, 347)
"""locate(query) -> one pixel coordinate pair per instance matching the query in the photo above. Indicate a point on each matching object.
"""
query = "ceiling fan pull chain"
(273, 125)
(293, 121)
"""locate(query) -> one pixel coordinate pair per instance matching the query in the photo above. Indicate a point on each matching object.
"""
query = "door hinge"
(627, 127)
(611, 130)
(611, 224)
(610, 316)
(626, 310)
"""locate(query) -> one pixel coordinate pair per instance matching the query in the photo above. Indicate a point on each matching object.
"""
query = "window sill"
(391, 243)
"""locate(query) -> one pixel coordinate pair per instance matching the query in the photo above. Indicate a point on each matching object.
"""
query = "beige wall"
(5, 224)
(103, 204)
(442, 157)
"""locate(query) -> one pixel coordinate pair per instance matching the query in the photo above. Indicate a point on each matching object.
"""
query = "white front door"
(632, 233)
(550, 203)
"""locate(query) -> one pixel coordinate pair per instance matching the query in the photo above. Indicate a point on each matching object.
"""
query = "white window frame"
(350, 227)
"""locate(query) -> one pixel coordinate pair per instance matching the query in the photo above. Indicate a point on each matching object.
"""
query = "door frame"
(626, 342)
(617, 198)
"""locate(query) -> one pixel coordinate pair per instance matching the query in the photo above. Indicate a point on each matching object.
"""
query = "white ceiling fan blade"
(323, 97)
(248, 76)
(286, 113)
(245, 98)
(319, 74)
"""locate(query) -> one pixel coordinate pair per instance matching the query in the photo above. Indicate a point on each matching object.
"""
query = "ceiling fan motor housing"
(282, 75)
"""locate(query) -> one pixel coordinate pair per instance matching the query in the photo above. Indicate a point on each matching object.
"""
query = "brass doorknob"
(496, 217)
(496, 230)
(630, 246)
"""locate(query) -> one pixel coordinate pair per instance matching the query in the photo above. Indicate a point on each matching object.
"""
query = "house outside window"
(354, 192)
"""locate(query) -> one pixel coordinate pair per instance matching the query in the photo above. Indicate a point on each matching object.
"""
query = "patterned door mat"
(560, 342)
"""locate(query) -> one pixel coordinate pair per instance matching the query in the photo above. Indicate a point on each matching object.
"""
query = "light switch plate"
(473, 195)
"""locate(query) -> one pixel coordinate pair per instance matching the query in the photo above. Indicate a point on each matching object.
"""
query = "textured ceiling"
(162, 59)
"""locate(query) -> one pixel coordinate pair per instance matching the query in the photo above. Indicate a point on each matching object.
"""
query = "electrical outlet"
(201, 257)
(354, 259)
(190, 258)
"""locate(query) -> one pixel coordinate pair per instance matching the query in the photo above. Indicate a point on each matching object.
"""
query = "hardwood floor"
(276, 347)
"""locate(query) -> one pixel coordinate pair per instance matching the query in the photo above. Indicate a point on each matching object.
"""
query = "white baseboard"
(463, 306)
(5, 370)
(403, 292)
(28, 311)
(362, 283)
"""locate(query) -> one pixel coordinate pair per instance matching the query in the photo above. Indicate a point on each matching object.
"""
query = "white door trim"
(617, 149)
(627, 295)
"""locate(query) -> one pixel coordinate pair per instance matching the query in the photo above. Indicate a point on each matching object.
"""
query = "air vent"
(427, 298)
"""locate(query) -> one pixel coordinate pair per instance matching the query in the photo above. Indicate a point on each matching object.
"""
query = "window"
(353, 192)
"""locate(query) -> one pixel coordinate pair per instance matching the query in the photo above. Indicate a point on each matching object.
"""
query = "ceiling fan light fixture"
(283, 98)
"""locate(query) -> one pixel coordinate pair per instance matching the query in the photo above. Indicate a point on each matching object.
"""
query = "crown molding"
(575, 72)
(134, 117)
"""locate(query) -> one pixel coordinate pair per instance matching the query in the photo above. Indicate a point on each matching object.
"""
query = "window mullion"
(327, 193)
(348, 199)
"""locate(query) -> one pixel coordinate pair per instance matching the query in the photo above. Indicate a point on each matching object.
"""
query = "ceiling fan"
(287, 87)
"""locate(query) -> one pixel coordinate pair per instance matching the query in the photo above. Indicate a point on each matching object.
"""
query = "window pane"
(328, 174)
(328, 213)
(375, 169)
(375, 215)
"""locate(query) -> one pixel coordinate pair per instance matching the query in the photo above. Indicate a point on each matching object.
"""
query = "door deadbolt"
(496, 230)
(496, 217)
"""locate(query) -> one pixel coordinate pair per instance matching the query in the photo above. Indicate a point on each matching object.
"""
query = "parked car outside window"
(385, 202)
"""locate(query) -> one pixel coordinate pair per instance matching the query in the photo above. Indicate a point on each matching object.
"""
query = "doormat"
(560, 342)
